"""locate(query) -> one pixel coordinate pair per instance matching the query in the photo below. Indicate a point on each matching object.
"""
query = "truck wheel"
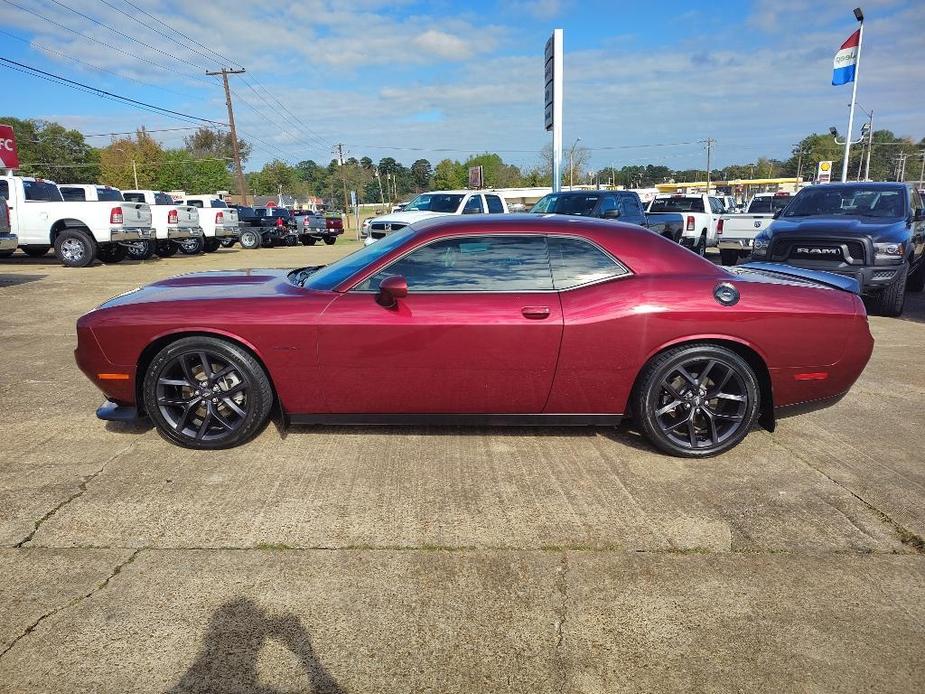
(211, 245)
(166, 249)
(891, 300)
(308, 240)
(728, 256)
(75, 248)
(701, 247)
(250, 240)
(35, 251)
(112, 253)
(140, 250)
(228, 243)
(916, 281)
(330, 240)
(191, 246)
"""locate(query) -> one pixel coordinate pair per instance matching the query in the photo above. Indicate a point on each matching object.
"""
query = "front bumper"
(176, 233)
(735, 244)
(871, 278)
(117, 234)
(8, 242)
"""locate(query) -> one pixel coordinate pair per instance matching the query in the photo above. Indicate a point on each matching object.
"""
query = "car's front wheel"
(890, 301)
(75, 248)
(696, 400)
(207, 393)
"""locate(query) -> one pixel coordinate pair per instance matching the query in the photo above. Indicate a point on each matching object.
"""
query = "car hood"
(837, 224)
(409, 217)
(219, 284)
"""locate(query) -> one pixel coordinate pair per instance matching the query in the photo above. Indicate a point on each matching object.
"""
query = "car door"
(478, 332)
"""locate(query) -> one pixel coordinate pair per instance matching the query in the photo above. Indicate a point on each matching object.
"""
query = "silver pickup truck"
(8, 240)
(737, 232)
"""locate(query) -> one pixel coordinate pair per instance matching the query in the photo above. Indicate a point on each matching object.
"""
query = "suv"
(874, 232)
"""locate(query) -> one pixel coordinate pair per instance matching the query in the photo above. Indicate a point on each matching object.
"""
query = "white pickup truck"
(701, 215)
(176, 226)
(80, 232)
(737, 232)
(218, 221)
(438, 203)
(8, 240)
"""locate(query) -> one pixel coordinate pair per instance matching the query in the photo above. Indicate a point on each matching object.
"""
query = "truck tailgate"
(134, 214)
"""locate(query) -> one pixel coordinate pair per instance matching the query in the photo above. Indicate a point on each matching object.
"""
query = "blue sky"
(644, 81)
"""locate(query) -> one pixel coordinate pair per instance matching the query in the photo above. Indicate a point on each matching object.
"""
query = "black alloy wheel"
(228, 242)
(330, 240)
(167, 249)
(207, 393)
(309, 240)
(698, 400)
(112, 253)
(701, 248)
(191, 246)
(210, 245)
(141, 250)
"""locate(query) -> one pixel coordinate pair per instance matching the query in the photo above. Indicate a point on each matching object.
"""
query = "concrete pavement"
(446, 559)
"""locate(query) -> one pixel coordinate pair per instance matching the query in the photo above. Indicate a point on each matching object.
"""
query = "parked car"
(737, 232)
(873, 232)
(701, 214)
(506, 319)
(176, 226)
(80, 232)
(265, 226)
(606, 204)
(218, 221)
(438, 203)
(312, 227)
(8, 240)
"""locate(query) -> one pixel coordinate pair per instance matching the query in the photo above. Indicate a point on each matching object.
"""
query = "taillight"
(690, 223)
(115, 217)
(173, 217)
(219, 217)
(719, 227)
(280, 222)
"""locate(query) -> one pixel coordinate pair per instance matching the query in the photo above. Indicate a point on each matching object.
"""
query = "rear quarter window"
(71, 194)
(576, 262)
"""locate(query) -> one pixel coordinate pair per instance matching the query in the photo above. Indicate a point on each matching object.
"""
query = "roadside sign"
(9, 154)
(353, 198)
(475, 177)
(552, 111)
(824, 172)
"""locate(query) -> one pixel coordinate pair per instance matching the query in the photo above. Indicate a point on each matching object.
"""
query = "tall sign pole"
(854, 93)
(553, 103)
(239, 172)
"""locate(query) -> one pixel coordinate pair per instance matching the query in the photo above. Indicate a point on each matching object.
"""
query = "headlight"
(889, 252)
(760, 246)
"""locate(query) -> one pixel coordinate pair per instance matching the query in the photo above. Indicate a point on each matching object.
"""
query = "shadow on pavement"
(914, 309)
(235, 635)
(13, 280)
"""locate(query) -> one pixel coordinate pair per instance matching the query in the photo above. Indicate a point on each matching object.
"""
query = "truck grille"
(819, 249)
(387, 226)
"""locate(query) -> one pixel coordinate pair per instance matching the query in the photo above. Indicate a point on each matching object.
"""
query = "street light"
(571, 168)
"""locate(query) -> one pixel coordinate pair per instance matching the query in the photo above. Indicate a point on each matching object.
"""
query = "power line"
(106, 94)
(147, 130)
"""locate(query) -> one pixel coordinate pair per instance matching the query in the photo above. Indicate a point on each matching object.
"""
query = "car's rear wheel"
(167, 249)
(696, 400)
(891, 300)
(728, 257)
(36, 251)
(75, 248)
(701, 247)
(191, 246)
(112, 253)
(207, 393)
(141, 250)
(211, 245)
(330, 240)
(250, 240)
(228, 242)
(309, 240)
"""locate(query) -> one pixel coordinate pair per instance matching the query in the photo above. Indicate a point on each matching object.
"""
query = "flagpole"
(854, 94)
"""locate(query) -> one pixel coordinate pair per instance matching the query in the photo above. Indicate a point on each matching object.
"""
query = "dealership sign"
(824, 172)
(9, 155)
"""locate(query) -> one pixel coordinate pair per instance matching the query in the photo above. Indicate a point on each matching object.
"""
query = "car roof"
(885, 185)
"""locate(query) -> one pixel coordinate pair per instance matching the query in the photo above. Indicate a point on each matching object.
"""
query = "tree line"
(204, 164)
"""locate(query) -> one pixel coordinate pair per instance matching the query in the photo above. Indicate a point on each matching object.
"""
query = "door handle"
(535, 312)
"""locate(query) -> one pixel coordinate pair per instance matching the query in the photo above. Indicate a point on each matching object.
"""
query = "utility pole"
(922, 172)
(239, 172)
(870, 145)
(800, 163)
(339, 150)
(901, 166)
(709, 142)
(379, 181)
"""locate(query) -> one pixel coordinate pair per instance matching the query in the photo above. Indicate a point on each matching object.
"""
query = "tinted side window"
(219, 203)
(194, 203)
(110, 195)
(73, 194)
(134, 197)
(576, 262)
(494, 204)
(4, 190)
(630, 205)
(608, 203)
(474, 205)
(473, 264)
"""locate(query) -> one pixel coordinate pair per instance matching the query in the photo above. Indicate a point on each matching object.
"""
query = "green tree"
(123, 159)
(49, 150)
(449, 175)
(206, 143)
(421, 173)
(181, 171)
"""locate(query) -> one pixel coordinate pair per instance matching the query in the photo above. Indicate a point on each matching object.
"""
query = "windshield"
(566, 204)
(678, 204)
(332, 275)
(435, 202)
(41, 190)
(851, 201)
(770, 203)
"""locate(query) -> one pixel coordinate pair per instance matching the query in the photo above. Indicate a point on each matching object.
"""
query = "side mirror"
(611, 214)
(391, 289)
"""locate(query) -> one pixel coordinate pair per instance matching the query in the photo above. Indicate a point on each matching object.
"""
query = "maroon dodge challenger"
(507, 319)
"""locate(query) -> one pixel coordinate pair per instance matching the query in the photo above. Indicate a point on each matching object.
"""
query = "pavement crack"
(76, 601)
(561, 616)
(81, 488)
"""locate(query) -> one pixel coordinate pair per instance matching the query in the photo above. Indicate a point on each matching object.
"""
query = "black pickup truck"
(266, 226)
(873, 232)
(622, 205)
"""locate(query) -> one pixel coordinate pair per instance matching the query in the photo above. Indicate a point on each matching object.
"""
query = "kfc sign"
(9, 156)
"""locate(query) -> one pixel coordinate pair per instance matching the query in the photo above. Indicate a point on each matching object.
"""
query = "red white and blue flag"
(846, 60)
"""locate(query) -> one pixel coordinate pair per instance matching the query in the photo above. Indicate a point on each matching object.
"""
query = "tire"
(211, 245)
(191, 246)
(309, 240)
(228, 243)
(916, 281)
(710, 370)
(236, 405)
(35, 251)
(7, 254)
(330, 240)
(701, 247)
(141, 250)
(728, 257)
(111, 253)
(75, 248)
(250, 239)
(167, 249)
(291, 240)
(890, 301)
